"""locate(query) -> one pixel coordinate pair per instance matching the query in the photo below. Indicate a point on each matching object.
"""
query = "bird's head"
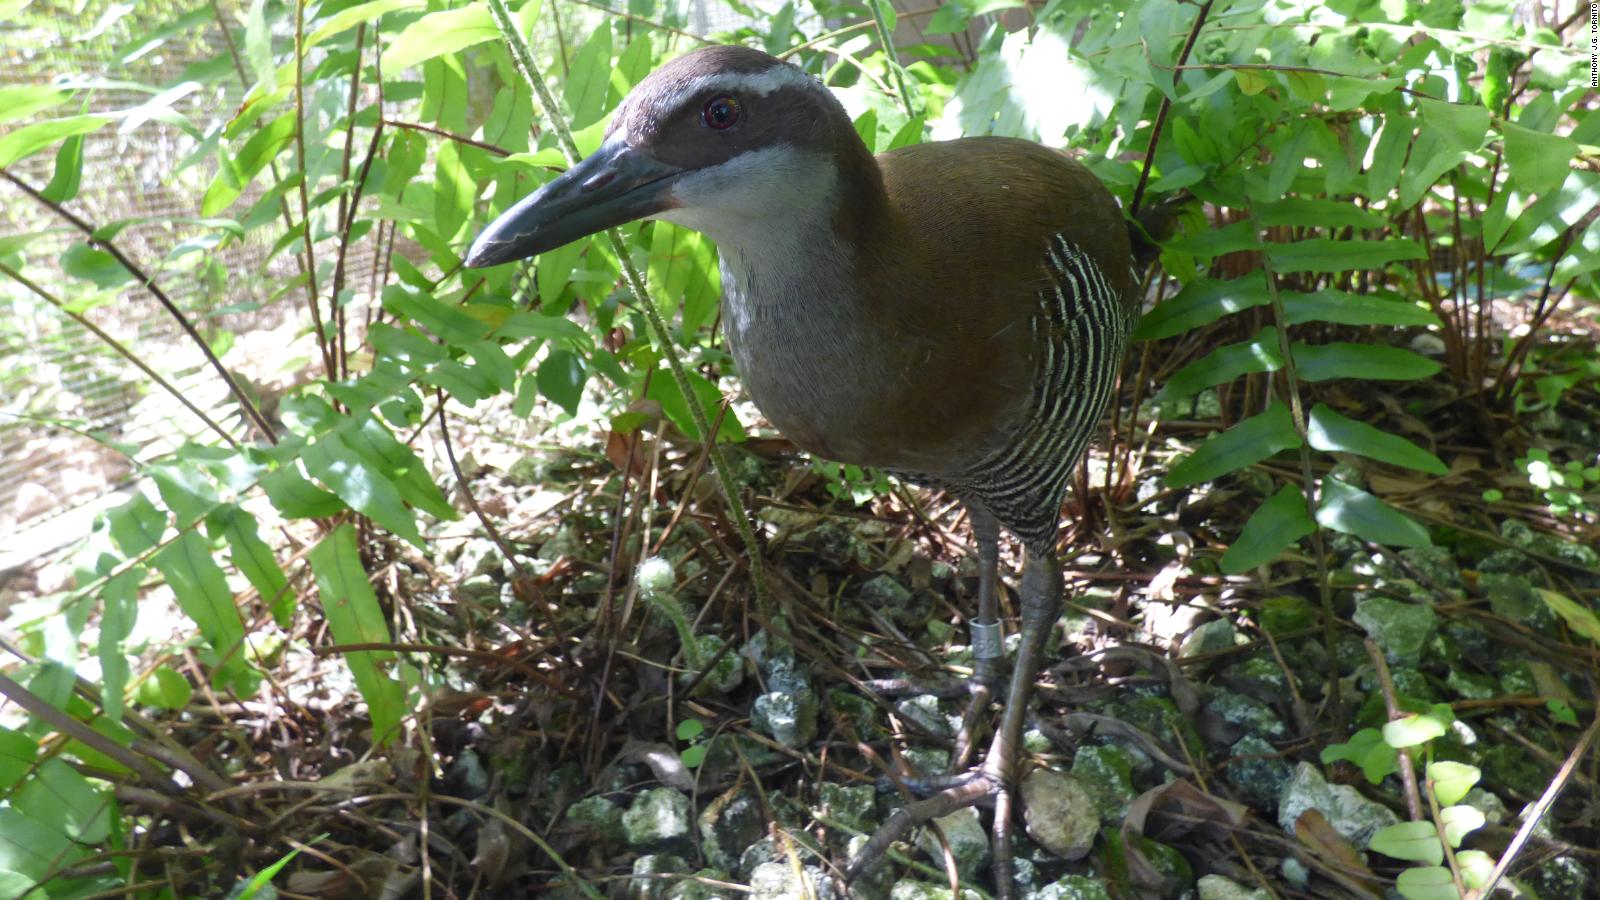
(716, 140)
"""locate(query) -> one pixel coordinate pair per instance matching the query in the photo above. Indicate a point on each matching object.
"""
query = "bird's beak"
(614, 185)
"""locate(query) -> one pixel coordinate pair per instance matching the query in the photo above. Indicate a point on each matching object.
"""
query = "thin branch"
(1166, 106)
(415, 126)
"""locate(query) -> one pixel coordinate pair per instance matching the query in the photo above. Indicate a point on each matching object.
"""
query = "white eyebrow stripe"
(758, 84)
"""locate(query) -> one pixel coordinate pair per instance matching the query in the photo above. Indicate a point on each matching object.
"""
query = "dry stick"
(1166, 105)
(149, 284)
(121, 350)
(523, 58)
(1292, 386)
(328, 362)
(1547, 800)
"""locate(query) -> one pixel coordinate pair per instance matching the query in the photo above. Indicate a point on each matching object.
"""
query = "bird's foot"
(986, 785)
(980, 687)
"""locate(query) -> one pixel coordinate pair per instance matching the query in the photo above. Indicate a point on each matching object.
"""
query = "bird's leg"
(987, 646)
(994, 780)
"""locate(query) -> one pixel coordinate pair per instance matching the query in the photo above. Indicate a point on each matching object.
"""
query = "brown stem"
(448, 135)
(149, 284)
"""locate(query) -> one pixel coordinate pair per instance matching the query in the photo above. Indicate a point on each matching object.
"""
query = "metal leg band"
(986, 643)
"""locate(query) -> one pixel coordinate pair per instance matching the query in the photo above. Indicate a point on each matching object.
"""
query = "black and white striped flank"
(1081, 331)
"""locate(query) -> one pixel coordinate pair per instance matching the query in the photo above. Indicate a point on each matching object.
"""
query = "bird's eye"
(721, 113)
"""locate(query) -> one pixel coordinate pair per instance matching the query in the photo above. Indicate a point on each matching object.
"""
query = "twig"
(447, 135)
(328, 362)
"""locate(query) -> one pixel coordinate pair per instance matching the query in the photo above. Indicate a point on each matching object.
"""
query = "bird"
(954, 313)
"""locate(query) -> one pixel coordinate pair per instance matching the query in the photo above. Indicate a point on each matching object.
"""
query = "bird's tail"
(1154, 224)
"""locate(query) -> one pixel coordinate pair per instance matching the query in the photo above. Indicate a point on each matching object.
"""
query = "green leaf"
(1418, 728)
(260, 884)
(19, 101)
(1199, 303)
(30, 139)
(1346, 308)
(1354, 511)
(1459, 821)
(68, 176)
(1388, 155)
(1245, 444)
(1331, 432)
(342, 470)
(1215, 242)
(350, 17)
(1251, 82)
(31, 848)
(1324, 362)
(94, 265)
(18, 755)
(1341, 255)
(1578, 617)
(589, 79)
(1536, 160)
(235, 173)
(354, 617)
(1427, 883)
(453, 189)
(137, 525)
(1475, 866)
(255, 560)
(296, 498)
(689, 729)
(1367, 749)
(439, 33)
(445, 320)
(1259, 354)
(69, 802)
(1279, 522)
(203, 595)
(165, 689)
(561, 378)
(1415, 841)
(664, 390)
(1452, 780)
(1461, 126)
(555, 269)
(1315, 213)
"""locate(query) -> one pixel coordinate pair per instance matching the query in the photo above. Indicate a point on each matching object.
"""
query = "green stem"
(523, 59)
(887, 40)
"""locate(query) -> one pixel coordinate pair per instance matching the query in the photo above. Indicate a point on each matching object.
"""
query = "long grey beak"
(614, 185)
